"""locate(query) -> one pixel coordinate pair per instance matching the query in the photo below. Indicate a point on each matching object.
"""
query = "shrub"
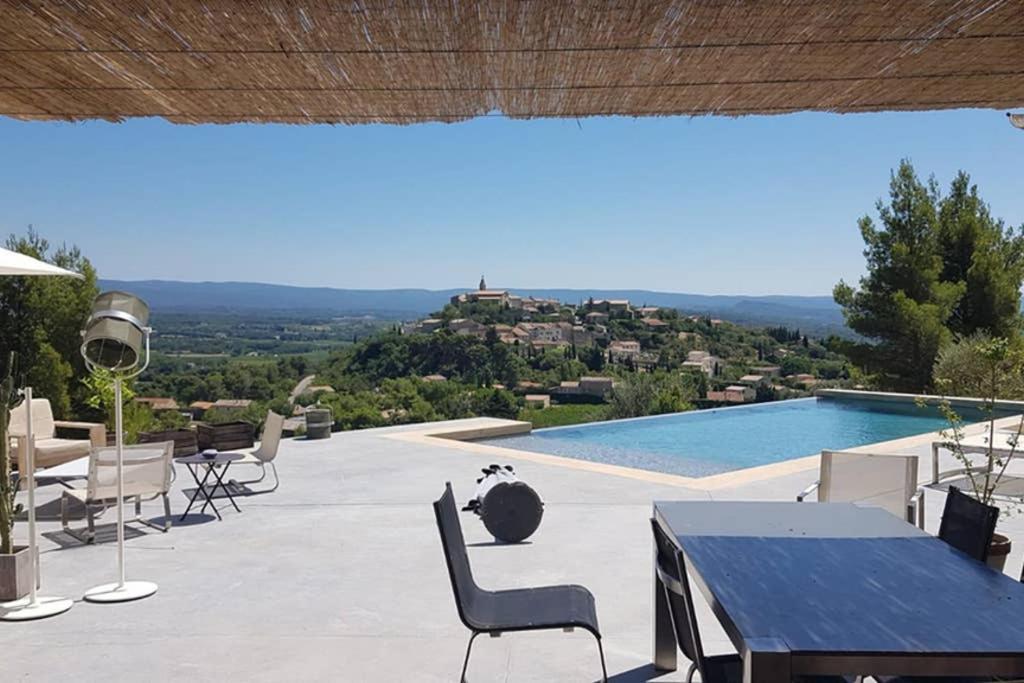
(963, 368)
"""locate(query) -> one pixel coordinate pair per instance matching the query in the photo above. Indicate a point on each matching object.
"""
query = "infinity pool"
(705, 442)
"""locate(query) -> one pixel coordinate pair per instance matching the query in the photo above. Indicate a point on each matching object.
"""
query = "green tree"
(902, 305)
(40, 319)
(652, 394)
(986, 256)
(964, 367)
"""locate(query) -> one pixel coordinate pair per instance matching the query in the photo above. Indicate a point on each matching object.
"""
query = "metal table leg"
(200, 490)
(766, 660)
(222, 485)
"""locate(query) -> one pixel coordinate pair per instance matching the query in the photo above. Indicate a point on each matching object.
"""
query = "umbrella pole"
(34, 606)
(122, 590)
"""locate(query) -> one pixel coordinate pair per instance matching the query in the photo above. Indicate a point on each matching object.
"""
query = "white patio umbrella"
(14, 263)
(34, 606)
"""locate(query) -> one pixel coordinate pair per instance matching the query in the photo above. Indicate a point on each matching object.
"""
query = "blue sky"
(755, 205)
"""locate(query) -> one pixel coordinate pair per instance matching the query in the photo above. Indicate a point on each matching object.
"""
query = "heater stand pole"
(34, 606)
(123, 590)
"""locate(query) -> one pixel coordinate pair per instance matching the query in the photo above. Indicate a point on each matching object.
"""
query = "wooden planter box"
(226, 437)
(185, 440)
(15, 574)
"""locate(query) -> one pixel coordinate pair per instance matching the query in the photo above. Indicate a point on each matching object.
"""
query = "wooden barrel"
(318, 423)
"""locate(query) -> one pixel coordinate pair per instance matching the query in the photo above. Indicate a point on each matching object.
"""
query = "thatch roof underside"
(402, 61)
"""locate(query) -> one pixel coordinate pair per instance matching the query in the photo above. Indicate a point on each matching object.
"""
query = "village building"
(622, 349)
(199, 408)
(733, 394)
(806, 379)
(468, 326)
(537, 401)
(157, 404)
(585, 387)
(484, 295)
(702, 361)
(423, 326)
(232, 404)
(609, 305)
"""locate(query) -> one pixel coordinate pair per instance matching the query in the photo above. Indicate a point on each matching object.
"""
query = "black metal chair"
(671, 568)
(967, 524)
(524, 609)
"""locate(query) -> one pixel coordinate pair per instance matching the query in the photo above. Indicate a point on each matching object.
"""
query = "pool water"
(705, 442)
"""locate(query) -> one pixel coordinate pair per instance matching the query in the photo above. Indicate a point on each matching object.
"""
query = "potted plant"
(15, 565)
(996, 360)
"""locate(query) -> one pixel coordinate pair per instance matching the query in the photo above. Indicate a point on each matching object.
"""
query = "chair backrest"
(146, 468)
(463, 585)
(968, 524)
(885, 481)
(671, 568)
(271, 437)
(42, 420)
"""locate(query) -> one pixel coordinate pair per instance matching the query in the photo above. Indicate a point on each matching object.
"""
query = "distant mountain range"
(816, 315)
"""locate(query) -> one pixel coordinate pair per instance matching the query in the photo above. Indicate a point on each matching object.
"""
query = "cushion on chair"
(52, 452)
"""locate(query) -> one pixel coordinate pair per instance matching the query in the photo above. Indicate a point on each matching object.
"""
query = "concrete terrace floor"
(339, 575)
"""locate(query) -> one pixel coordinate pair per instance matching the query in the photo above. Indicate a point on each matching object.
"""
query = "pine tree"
(937, 266)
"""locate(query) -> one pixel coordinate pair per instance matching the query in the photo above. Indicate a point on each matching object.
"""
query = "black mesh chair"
(671, 569)
(523, 609)
(967, 524)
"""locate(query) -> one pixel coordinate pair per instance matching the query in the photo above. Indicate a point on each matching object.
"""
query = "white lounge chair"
(885, 481)
(266, 452)
(1005, 444)
(50, 449)
(147, 475)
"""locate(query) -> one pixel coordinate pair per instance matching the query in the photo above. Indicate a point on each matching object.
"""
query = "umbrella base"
(26, 610)
(112, 592)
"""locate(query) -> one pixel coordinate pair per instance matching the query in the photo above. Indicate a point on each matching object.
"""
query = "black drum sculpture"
(510, 510)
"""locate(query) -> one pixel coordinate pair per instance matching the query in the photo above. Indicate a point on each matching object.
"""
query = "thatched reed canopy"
(402, 61)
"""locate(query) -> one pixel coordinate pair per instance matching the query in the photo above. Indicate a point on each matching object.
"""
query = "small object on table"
(209, 453)
(194, 462)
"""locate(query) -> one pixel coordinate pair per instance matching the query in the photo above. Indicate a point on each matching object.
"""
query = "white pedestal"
(26, 610)
(112, 592)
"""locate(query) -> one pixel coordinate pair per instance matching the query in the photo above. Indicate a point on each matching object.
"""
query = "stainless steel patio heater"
(116, 338)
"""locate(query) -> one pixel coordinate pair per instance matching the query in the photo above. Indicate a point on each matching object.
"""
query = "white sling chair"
(266, 452)
(147, 475)
(885, 481)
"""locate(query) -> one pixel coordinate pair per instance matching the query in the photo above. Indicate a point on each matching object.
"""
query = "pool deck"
(339, 576)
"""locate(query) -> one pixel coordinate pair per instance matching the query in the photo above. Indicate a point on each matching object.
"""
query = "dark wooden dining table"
(834, 588)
